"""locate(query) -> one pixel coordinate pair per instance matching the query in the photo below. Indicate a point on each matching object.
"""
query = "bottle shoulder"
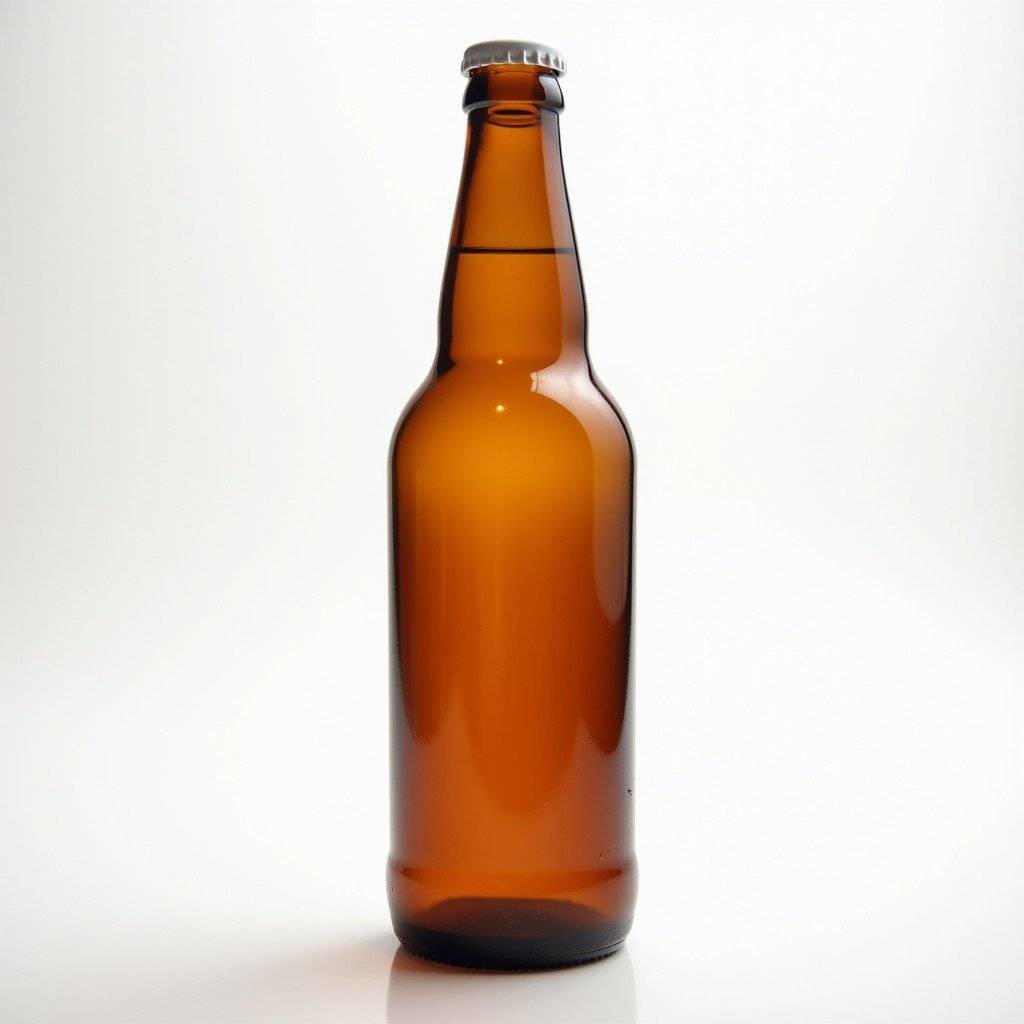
(475, 406)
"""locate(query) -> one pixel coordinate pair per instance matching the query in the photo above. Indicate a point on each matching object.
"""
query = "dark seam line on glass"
(474, 250)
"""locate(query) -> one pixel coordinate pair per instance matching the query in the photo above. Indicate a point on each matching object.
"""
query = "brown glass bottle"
(511, 475)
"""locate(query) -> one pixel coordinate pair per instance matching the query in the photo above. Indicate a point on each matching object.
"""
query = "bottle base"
(496, 933)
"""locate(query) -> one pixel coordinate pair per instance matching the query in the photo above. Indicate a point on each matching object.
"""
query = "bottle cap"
(512, 51)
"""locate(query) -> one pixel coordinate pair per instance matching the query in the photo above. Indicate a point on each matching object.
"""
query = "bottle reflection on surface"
(603, 992)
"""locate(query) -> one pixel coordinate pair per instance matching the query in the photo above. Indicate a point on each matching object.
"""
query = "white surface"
(223, 229)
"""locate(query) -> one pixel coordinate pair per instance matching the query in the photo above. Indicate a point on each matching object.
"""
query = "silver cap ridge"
(512, 51)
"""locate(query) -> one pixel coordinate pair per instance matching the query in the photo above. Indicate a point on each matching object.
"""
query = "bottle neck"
(512, 287)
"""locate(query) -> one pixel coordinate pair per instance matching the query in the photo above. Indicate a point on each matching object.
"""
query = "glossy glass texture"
(511, 478)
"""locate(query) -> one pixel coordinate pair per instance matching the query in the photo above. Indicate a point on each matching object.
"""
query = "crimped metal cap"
(512, 51)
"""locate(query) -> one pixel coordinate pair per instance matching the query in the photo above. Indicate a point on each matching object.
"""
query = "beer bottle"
(511, 477)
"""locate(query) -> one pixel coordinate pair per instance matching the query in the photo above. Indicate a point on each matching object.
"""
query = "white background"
(222, 231)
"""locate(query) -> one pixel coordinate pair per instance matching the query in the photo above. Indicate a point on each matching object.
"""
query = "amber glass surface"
(511, 478)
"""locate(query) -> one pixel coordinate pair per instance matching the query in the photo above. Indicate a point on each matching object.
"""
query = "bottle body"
(512, 480)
